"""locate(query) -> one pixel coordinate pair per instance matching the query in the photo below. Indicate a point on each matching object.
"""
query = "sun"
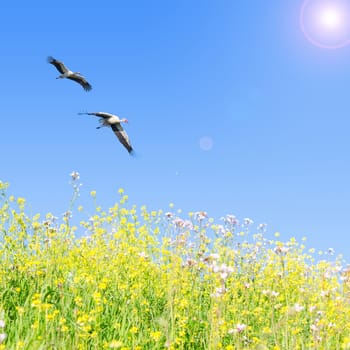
(326, 23)
(331, 18)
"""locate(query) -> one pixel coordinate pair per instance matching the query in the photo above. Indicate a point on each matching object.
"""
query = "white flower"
(324, 293)
(230, 219)
(219, 292)
(223, 275)
(201, 215)
(67, 214)
(214, 256)
(314, 328)
(248, 221)
(2, 324)
(272, 293)
(2, 337)
(312, 308)
(262, 227)
(143, 255)
(297, 307)
(331, 251)
(240, 327)
(75, 175)
(215, 268)
(281, 250)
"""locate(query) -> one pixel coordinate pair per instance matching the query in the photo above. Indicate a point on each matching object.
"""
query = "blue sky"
(239, 72)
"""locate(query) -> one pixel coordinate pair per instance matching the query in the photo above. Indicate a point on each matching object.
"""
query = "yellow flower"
(21, 202)
(133, 330)
(156, 335)
(20, 344)
(121, 191)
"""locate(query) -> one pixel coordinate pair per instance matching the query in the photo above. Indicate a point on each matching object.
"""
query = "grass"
(139, 279)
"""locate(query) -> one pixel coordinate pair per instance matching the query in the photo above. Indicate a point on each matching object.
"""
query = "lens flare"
(326, 23)
(206, 143)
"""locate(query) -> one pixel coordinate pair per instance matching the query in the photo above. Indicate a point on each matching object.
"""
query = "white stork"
(107, 119)
(66, 73)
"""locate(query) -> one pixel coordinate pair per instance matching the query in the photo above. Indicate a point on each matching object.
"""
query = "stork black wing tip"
(87, 87)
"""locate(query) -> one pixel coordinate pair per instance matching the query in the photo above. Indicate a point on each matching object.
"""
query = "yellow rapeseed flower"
(156, 335)
(133, 330)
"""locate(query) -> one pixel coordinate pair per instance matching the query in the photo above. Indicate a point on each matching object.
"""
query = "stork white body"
(113, 121)
(67, 73)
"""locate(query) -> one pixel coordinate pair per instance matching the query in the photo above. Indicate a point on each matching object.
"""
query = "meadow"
(130, 278)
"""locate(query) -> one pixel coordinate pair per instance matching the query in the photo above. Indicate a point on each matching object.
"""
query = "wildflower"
(314, 328)
(185, 224)
(190, 262)
(281, 250)
(67, 215)
(214, 256)
(201, 215)
(2, 324)
(262, 227)
(215, 268)
(156, 335)
(133, 330)
(143, 255)
(115, 344)
(240, 327)
(2, 337)
(270, 292)
(168, 214)
(298, 307)
(248, 221)
(220, 291)
(225, 271)
(75, 175)
(219, 229)
(121, 191)
(230, 219)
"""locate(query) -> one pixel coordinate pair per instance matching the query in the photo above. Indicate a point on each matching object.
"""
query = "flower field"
(130, 278)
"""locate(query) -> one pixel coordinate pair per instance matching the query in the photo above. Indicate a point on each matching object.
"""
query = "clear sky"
(241, 74)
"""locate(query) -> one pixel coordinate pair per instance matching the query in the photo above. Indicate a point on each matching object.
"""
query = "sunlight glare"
(331, 18)
(326, 23)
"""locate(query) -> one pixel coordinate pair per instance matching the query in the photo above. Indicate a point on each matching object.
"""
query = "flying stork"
(66, 73)
(107, 119)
